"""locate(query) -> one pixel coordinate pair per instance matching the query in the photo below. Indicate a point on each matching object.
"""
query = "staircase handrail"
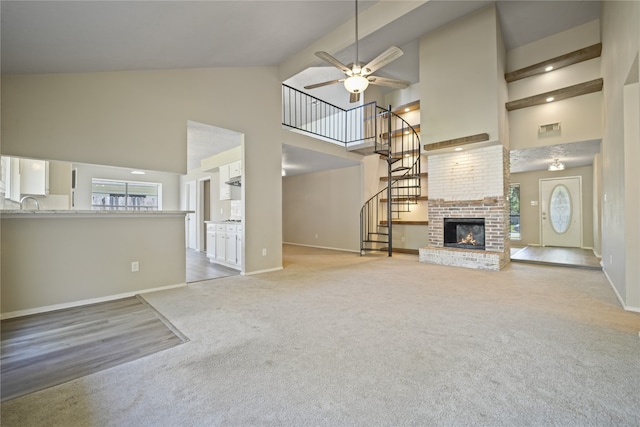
(321, 112)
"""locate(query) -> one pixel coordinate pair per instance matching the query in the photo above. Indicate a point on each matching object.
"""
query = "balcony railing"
(307, 113)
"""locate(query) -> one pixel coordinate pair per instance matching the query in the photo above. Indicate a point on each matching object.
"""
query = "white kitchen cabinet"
(235, 169)
(34, 177)
(225, 189)
(228, 244)
(232, 244)
(221, 242)
(211, 241)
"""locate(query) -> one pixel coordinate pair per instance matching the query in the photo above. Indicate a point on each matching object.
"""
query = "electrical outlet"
(135, 266)
(221, 211)
(316, 235)
(402, 239)
(264, 251)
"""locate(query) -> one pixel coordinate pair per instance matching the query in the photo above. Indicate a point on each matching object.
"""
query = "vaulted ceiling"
(85, 36)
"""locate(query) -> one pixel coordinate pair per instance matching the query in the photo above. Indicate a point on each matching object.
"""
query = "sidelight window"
(514, 211)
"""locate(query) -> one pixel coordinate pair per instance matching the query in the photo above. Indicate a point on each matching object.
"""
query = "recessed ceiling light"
(458, 149)
(549, 99)
(549, 68)
(138, 172)
(406, 110)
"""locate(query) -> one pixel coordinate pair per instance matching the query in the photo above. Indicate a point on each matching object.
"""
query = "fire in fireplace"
(464, 233)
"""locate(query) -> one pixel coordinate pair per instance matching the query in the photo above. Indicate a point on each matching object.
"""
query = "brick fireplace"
(469, 188)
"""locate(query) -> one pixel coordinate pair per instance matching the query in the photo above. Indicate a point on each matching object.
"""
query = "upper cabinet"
(235, 169)
(34, 177)
(225, 190)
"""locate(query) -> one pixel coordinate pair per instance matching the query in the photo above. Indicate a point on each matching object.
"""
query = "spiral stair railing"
(399, 144)
(393, 138)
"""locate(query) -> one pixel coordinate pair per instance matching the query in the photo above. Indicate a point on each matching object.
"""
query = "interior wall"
(83, 258)
(580, 117)
(530, 214)
(458, 85)
(139, 119)
(620, 47)
(632, 175)
(557, 44)
(597, 205)
(319, 209)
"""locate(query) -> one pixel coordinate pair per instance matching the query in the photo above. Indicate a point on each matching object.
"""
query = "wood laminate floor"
(47, 349)
(563, 257)
(200, 268)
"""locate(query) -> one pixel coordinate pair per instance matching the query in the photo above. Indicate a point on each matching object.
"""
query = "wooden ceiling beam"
(557, 95)
(561, 61)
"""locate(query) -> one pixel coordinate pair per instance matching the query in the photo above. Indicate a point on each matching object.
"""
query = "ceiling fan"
(358, 76)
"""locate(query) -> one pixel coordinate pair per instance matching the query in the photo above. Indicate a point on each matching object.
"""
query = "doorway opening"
(209, 148)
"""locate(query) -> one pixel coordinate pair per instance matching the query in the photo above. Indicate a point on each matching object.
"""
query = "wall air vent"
(551, 128)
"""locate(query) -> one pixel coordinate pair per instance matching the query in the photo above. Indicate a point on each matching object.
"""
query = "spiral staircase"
(366, 129)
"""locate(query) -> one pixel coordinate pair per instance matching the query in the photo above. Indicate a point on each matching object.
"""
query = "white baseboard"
(269, 270)
(62, 306)
(322, 247)
(620, 300)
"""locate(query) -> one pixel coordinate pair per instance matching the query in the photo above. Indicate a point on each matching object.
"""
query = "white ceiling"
(573, 155)
(84, 36)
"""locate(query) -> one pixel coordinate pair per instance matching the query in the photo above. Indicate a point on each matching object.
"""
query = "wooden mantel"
(450, 143)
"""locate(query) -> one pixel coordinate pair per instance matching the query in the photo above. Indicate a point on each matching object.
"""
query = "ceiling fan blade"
(385, 81)
(333, 61)
(381, 60)
(354, 97)
(330, 82)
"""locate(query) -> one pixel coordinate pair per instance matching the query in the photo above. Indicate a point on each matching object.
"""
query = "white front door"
(561, 212)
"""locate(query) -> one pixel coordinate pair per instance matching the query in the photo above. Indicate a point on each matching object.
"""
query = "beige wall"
(139, 119)
(323, 204)
(64, 260)
(580, 117)
(530, 215)
(620, 50)
(459, 79)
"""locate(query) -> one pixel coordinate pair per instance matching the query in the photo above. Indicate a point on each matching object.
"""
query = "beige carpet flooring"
(341, 340)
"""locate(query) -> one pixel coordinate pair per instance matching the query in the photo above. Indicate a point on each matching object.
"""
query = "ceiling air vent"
(551, 128)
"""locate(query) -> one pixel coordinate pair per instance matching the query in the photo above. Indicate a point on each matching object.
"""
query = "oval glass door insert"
(560, 209)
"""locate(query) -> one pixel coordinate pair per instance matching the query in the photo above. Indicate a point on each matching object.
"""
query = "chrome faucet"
(25, 198)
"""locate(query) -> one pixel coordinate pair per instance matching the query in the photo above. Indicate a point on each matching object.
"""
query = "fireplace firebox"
(464, 233)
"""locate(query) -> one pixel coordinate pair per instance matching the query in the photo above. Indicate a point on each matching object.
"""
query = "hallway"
(557, 256)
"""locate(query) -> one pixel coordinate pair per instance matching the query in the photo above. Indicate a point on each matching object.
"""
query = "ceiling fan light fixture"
(356, 84)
